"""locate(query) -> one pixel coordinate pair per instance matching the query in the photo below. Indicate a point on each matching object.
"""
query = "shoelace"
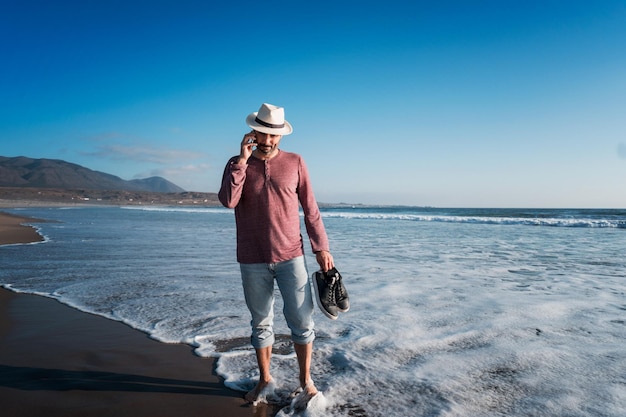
(331, 289)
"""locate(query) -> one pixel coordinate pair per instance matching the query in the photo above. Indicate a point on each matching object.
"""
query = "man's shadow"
(42, 379)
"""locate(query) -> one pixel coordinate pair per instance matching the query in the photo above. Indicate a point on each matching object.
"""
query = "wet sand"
(58, 361)
(12, 229)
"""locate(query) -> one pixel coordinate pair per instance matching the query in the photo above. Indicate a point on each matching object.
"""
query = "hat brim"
(285, 130)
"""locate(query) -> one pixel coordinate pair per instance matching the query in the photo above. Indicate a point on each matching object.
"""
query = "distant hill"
(157, 185)
(54, 173)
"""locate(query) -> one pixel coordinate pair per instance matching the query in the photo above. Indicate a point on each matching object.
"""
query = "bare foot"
(309, 388)
(260, 391)
(301, 401)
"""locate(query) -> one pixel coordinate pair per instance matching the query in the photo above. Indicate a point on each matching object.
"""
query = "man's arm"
(313, 221)
(235, 173)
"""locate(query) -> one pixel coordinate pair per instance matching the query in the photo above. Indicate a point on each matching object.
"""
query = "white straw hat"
(269, 119)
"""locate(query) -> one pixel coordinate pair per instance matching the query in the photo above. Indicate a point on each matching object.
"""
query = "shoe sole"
(319, 301)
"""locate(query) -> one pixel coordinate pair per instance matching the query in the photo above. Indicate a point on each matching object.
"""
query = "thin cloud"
(144, 154)
(621, 150)
(176, 172)
(103, 137)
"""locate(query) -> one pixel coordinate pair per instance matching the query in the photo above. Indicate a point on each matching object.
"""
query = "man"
(265, 186)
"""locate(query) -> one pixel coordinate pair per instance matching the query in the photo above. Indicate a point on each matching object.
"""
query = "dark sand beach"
(58, 361)
(12, 230)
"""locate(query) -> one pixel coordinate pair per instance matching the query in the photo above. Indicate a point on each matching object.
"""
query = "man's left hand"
(325, 260)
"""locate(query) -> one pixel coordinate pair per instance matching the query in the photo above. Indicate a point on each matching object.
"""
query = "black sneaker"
(325, 294)
(341, 294)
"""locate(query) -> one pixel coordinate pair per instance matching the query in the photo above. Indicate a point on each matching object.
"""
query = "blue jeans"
(293, 282)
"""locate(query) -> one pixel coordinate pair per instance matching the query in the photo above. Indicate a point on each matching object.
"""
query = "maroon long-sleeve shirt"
(266, 196)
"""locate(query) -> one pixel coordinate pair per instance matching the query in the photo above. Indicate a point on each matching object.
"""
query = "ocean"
(454, 312)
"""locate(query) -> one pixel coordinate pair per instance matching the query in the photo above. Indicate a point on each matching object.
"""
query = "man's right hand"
(247, 147)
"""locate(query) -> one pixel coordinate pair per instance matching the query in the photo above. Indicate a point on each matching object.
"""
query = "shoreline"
(61, 362)
(14, 231)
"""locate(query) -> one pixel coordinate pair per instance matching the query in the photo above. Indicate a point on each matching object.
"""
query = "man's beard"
(265, 149)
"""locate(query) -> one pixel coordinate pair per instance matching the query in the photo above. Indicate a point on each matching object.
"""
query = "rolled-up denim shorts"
(293, 282)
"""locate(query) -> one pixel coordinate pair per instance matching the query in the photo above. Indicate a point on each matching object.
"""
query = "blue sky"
(439, 103)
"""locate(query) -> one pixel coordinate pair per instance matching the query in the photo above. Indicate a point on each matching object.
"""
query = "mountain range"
(21, 172)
